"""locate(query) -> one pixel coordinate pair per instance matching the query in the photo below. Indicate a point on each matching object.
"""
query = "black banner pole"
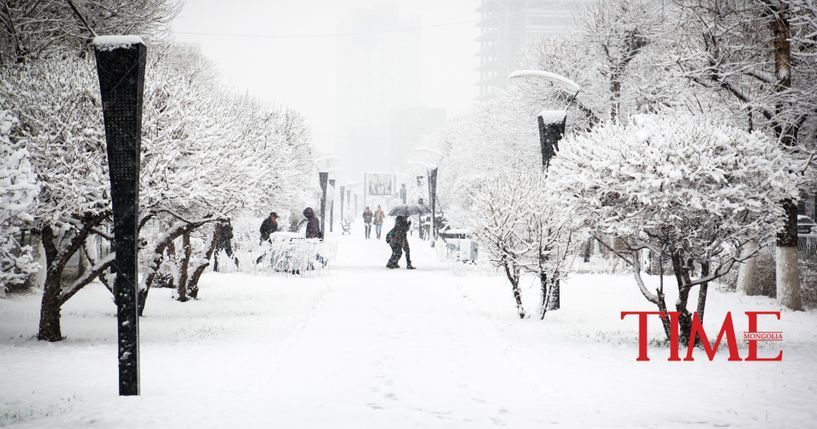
(120, 62)
(323, 177)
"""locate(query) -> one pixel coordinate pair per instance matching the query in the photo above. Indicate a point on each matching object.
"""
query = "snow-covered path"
(403, 347)
(360, 346)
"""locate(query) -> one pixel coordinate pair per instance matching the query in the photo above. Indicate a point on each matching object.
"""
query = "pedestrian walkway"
(400, 348)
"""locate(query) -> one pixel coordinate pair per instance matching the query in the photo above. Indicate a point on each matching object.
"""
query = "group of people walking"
(377, 218)
(313, 225)
(396, 238)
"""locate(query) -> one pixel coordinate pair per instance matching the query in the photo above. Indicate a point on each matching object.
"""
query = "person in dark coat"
(398, 241)
(367, 222)
(268, 226)
(224, 243)
(313, 225)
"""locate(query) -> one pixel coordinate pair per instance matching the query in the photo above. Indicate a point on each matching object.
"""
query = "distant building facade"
(508, 27)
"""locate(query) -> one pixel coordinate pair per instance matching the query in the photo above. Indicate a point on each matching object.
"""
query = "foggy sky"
(297, 67)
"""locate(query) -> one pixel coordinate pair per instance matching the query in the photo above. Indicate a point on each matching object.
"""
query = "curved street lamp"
(551, 129)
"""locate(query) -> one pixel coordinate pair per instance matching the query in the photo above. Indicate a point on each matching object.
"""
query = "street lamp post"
(551, 123)
(323, 176)
(324, 167)
(342, 198)
(332, 206)
(551, 126)
(432, 192)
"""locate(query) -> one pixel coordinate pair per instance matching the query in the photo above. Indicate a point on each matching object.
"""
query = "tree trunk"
(49, 329)
(543, 284)
(681, 277)
(662, 307)
(142, 297)
(55, 260)
(788, 270)
(193, 288)
(615, 96)
(512, 272)
(747, 279)
(181, 287)
(555, 301)
(662, 303)
(703, 291)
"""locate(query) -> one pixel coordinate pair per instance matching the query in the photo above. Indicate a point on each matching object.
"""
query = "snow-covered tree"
(761, 56)
(60, 126)
(620, 30)
(551, 236)
(207, 155)
(498, 226)
(18, 192)
(617, 55)
(683, 186)
(522, 230)
(39, 29)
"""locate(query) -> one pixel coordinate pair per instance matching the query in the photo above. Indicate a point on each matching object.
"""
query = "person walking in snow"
(268, 226)
(398, 241)
(224, 243)
(313, 225)
(367, 223)
(379, 216)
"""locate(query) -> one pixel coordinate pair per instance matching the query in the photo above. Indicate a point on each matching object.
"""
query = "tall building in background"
(508, 26)
(378, 73)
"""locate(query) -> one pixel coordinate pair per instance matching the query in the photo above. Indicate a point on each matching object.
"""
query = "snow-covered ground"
(360, 346)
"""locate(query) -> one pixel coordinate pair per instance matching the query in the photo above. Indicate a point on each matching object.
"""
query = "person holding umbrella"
(398, 241)
(379, 215)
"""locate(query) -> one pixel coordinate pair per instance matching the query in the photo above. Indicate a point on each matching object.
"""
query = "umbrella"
(409, 210)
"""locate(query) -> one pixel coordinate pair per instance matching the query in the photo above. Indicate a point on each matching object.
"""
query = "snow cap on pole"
(108, 43)
(553, 116)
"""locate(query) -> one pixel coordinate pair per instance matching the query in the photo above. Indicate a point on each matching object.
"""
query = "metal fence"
(807, 246)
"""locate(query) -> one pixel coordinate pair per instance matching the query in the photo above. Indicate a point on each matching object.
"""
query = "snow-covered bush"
(682, 186)
(286, 252)
(521, 229)
(18, 192)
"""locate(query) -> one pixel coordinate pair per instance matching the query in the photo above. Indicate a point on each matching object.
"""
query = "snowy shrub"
(683, 186)
(286, 252)
(521, 230)
(18, 192)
